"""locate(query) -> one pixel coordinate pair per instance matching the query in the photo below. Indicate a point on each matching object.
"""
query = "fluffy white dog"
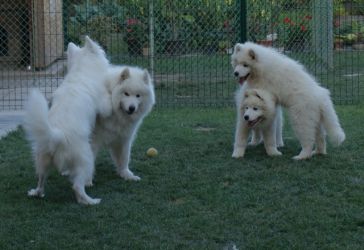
(256, 132)
(132, 96)
(309, 105)
(61, 135)
(258, 111)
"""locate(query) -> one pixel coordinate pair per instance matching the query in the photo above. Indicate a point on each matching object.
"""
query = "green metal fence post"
(151, 37)
(243, 21)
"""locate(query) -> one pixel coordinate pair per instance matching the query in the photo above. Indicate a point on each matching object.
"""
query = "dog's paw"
(82, 196)
(89, 183)
(319, 152)
(36, 192)
(301, 157)
(280, 144)
(89, 201)
(238, 153)
(274, 153)
(94, 201)
(126, 174)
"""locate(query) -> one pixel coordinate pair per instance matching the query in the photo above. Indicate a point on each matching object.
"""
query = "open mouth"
(253, 123)
(243, 79)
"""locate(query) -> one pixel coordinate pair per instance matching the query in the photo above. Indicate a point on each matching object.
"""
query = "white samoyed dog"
(256, 131)
(61, 135)
(132, 96)
(259, 111)
(131, 93)
(309, 105)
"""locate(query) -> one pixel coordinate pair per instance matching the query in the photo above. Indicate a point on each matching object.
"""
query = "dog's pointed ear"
(92, 46)
(125, 74)
(252, 54)
(237, 48)
(89, 44)
(71, 48)
(146, 77)
(71, 54)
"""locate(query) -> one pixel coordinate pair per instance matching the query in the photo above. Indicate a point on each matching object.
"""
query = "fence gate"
(186, 45)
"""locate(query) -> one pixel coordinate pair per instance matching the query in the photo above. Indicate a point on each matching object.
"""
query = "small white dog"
(309, 106)
(256, 131)
(132, 96)
(258, 111)
(61, 135)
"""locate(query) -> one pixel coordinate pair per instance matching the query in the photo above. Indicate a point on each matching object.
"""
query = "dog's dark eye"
(255, 108)
(137, 95)
(245, 65)
(126, 93)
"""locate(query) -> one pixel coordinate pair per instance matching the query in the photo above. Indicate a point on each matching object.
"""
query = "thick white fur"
(256, 134)
(132, 95)
(309, 105)
(258, 104)
(61, 135)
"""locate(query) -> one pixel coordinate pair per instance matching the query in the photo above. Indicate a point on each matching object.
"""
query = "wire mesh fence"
(326, 36)
(186, 45)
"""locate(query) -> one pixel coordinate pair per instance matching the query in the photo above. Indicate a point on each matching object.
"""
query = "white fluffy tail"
(36, 124)
(331, 122)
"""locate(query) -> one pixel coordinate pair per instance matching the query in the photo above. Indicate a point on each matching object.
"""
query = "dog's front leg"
(269, 137)
(121, 155)
(241, 138)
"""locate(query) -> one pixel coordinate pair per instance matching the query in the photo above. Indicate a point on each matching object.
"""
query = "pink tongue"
(241, 80)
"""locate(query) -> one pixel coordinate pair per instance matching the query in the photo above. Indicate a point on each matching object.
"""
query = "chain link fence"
(186, 45)
(326, 36)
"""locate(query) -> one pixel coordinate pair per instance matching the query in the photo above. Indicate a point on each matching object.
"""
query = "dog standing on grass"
(61, 135)
(309, 105)
(257, 132)
(258, 111)
(132, 96)
(131, 93)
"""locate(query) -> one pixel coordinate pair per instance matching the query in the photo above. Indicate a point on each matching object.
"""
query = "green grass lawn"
(193, 195)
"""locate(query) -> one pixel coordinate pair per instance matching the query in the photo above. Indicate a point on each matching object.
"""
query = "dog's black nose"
(236, 73)
(131, 109)
(246, 117)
